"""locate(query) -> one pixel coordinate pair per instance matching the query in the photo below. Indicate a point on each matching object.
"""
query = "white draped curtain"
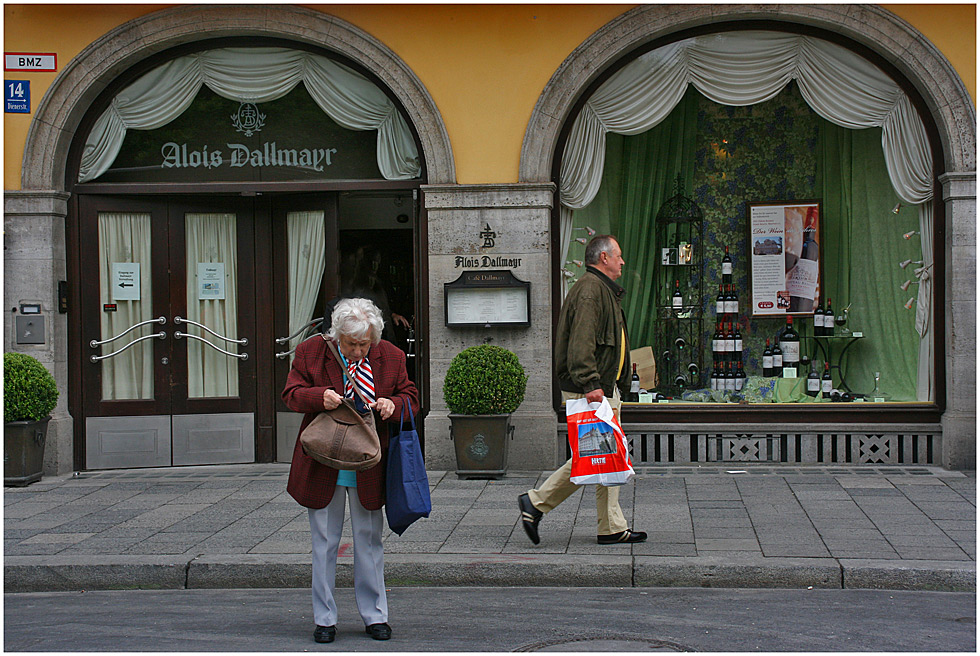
(307, 259)
(745, 68)
(254, 75)
(124, 238)
(212, 238)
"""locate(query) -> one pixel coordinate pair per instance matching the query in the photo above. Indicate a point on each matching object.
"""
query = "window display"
(772, 153)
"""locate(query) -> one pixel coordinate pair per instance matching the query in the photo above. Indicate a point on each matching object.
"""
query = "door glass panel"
(212, 300)
(126, 299)
(307, 254)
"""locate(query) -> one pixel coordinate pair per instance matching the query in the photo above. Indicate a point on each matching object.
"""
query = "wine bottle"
(726, 264)
(680, 381)
(801, 283)
(812, 383)
(729, 378)
(720, 301)
(827, 383)
(634, 385)
(730, 302)
(767, 360)
(714, 375)
(738, 344)
(828, 320)
(740, 377)
(818, 325)
(678, 300)
(789, 344)
(729, 341)
(717, 347)
(777, 360)
(680, 343)
(695, 373)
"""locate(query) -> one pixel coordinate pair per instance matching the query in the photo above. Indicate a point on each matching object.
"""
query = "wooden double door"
(181, 301)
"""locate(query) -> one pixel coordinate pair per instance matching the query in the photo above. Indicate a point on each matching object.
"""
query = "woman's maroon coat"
(314, 370)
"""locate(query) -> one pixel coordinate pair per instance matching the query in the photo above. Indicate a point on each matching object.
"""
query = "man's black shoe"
(379, 631)
(530, 517)
(627, 536)
(324, 633)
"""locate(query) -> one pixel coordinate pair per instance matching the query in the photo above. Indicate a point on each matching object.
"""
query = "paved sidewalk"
(887, 527)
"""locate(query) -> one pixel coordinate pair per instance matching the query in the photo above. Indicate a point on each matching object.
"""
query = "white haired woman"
(316, 382)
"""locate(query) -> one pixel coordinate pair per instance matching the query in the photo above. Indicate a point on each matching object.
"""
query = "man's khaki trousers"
(559, 487)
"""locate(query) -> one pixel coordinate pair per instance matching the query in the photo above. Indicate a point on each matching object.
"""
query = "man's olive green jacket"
(591, 328)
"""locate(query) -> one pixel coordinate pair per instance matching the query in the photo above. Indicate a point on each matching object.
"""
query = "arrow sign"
(125, 281)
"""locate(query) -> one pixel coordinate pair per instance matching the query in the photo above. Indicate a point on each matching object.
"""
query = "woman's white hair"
(356, 318)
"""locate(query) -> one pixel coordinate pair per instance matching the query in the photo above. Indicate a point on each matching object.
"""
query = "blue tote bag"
(407, 483)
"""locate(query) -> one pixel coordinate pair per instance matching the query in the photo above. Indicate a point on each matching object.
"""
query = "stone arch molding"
(891, 37)
(76, 87)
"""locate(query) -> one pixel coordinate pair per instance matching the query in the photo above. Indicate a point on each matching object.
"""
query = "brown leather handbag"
(343, 438)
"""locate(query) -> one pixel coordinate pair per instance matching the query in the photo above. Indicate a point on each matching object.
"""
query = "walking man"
(592, 361)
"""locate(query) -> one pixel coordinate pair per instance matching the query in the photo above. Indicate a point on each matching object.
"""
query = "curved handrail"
(179, 320)
(241, 356)
(309, 324)
(95, 343)
(159, 335)
(285, 354)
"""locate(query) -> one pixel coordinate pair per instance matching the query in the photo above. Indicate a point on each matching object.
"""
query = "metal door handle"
(179, 320)
(240, 356)
(312, 323)
(95, 343)
(159, 335)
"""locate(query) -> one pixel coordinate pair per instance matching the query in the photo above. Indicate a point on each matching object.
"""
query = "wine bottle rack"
(680, 242)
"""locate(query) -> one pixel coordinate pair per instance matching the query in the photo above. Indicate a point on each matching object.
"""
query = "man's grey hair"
(356, 318)
(597, 246)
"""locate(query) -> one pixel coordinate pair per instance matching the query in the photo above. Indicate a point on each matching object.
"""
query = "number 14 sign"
(17, 96)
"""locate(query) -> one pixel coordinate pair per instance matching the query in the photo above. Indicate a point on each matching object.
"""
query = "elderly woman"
(316, 382)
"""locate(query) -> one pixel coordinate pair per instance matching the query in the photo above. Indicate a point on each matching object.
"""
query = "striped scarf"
(359, 372)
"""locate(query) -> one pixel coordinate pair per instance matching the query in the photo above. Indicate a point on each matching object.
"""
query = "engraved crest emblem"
(478, 450)
(248, 119)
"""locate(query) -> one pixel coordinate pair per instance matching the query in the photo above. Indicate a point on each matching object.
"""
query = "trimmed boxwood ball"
(29, 390)
(484, 380)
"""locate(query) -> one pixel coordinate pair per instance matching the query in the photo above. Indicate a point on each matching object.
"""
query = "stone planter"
(23, 451)
(481, 444)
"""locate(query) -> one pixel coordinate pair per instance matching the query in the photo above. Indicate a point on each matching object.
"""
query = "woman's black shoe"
(324, 633)
(627, 536)
(379, 631)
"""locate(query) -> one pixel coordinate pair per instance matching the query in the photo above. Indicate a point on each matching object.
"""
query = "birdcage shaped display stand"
(679, 232)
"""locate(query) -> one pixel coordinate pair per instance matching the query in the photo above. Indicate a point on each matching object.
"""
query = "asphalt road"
(499, 619)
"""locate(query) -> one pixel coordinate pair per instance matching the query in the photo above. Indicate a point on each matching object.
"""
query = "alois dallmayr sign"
(489, 296)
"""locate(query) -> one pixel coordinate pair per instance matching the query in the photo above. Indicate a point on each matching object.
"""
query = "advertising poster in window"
(784, 256)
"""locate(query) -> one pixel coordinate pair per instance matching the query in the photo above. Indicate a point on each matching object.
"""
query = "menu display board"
(784, 256)
(488, 298)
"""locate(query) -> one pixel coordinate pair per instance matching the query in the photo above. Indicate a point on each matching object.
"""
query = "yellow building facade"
(488, 95)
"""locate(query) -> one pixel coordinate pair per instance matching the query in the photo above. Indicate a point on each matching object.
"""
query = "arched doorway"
(253, 214)
(873, 35)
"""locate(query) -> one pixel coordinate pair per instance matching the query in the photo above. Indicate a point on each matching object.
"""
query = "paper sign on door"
(125, 281)
(210, 281)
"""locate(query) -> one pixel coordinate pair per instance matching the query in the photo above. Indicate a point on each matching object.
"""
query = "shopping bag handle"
(407, 402)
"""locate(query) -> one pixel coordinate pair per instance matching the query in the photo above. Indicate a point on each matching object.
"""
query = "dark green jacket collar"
(616, 289)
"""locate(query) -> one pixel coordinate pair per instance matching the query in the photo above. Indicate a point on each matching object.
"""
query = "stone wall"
(520, 215)
(34, 262)
(960, 418)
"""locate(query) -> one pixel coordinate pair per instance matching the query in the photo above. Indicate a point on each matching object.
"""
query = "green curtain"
(640, 174)
(863, 245)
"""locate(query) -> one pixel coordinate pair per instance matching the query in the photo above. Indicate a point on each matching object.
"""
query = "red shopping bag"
(600, 454)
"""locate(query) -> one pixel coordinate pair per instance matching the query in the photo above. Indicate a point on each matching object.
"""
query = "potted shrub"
(29, 396)
(483, 386)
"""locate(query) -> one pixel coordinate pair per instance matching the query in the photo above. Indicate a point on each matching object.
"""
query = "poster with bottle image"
(784, 257)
